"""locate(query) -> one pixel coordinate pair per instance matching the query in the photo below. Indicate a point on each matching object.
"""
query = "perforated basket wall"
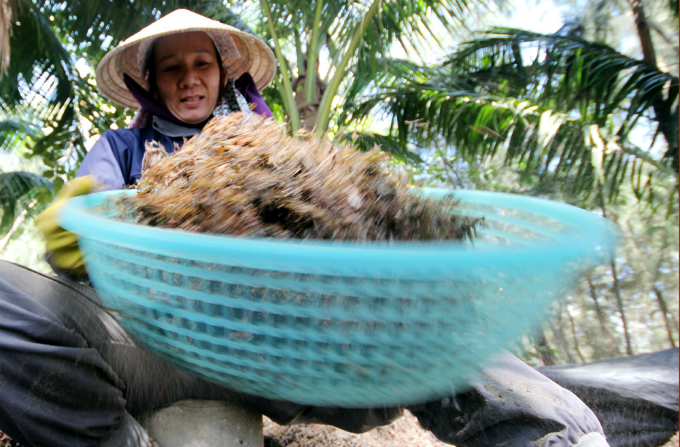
(334, 324)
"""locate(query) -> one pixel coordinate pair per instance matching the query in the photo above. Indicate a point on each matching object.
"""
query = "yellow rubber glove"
(62, 245)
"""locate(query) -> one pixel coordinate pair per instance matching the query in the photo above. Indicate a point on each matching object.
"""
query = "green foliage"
(567, 73)
(567, 114)
(49, 104)
(27, 248)
(673, 6)
(356, 36)
(647, 266)
(366, 141)
(24, 195)
(45, 90)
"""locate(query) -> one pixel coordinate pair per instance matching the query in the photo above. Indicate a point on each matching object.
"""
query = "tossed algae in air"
(246, 176)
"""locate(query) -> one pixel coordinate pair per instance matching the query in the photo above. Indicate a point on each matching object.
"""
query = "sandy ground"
(6, 442)
(673, 442)
(404, 432)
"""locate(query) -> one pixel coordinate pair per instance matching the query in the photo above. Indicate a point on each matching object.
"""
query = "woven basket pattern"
(338, 324)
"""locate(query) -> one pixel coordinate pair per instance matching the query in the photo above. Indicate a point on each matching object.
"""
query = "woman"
(70, 375)
(178, 73)
(181, 70)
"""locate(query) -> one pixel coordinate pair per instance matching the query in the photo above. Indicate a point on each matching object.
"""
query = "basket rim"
(594, 239)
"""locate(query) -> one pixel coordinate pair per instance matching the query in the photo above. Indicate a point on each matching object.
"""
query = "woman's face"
(187, 75)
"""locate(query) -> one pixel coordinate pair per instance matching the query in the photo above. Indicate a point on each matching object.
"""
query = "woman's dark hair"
(149, 72)
(149, 69)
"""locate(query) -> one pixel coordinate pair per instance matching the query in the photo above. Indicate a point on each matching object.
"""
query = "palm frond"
(365, 141)
(545, 143)
(14, 132)
(44, 63)
(568, 73)
(387, 71)
(564, 112)
(22, 192)
(406, 23)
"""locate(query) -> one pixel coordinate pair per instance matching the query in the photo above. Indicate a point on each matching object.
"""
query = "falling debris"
(244, 175)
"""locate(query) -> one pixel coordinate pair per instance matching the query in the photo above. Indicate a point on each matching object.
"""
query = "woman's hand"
(62, 245)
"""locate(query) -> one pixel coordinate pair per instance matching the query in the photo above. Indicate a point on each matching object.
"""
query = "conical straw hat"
(241, 52)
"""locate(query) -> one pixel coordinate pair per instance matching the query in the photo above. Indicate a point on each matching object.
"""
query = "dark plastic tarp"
(635, 397)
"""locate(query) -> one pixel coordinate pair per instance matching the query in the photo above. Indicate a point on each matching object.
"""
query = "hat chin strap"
(153, 106)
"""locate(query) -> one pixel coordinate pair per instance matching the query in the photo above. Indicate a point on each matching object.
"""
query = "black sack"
(635, 397)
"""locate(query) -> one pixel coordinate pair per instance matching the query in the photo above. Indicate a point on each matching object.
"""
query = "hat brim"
(255, 57)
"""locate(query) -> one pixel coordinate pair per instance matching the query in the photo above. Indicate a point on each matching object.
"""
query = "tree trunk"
(6, 8)
(653, 277)
(644, 33)
(561, 340)
(663, 109)
(285, 89)
(664, 310)
(619, 305)
(573, 334)
(616, 288)
(608, 339)
(308, 110)
(544, 350)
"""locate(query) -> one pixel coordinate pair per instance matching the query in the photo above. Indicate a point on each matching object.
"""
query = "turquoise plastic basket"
(338, 324)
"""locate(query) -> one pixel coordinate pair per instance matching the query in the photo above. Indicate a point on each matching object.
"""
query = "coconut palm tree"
(355, 36)
(557, 107)
(23, 196)
(6, 12)
(46, 91)
(561, 107)
(49, 106)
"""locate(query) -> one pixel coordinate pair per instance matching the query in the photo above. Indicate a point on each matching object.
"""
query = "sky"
(533, 15)
(540, 16)
(543, 16)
